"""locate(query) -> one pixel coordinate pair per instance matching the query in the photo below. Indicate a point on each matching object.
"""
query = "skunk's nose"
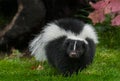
(73, 54)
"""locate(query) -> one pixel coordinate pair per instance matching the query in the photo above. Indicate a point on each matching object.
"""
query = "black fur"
(66, 44)
(59, 58)
(60, 53)
(74, 25)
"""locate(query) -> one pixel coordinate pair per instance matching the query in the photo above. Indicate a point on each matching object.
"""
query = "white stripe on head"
(75, 45)
(77, 38)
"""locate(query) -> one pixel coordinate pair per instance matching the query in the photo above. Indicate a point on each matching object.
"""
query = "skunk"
(68, 45)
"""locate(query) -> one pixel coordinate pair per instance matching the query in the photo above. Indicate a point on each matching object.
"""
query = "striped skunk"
(68, 45)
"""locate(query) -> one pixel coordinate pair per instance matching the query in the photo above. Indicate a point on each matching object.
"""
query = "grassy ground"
(106, 67)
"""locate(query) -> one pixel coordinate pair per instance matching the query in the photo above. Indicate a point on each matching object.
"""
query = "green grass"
(105, 67)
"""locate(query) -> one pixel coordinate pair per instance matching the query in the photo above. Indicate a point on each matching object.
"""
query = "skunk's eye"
(66, 43)
(78, 46)
(84, 45)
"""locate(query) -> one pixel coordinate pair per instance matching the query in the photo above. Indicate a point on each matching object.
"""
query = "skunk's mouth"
(73, 54)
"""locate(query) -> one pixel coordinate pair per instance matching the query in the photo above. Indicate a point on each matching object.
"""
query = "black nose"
(73, 55)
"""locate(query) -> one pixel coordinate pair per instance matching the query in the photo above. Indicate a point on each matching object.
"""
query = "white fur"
(89, 31)
(77, 38)
(75, 45)
(51, 32)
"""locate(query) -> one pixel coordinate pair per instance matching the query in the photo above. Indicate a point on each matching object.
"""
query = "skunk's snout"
(73, 54)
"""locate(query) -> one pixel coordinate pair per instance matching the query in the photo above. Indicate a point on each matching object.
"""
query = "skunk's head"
(75, 48)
